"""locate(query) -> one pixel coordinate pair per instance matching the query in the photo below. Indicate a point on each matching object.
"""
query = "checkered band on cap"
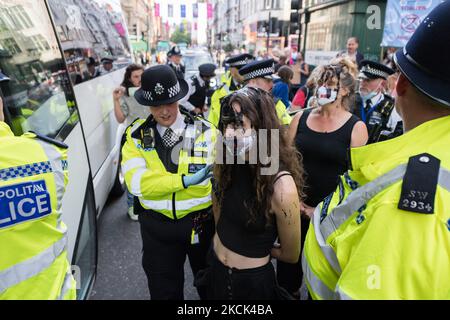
(147, 95)
(239, 63)
(25, 170)
(259, 73)
(374, 72)
(174, 90)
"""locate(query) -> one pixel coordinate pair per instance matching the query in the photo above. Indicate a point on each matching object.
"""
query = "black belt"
(204, 213)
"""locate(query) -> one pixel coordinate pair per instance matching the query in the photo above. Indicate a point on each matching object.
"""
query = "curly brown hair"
(259, 107)
(126, 83)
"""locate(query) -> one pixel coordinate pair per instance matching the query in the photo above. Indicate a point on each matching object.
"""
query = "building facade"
(140, 18)
(190, 15)
(327, 24)
(265, 24)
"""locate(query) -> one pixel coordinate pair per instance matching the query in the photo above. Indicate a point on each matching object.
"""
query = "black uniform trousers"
(166, 242)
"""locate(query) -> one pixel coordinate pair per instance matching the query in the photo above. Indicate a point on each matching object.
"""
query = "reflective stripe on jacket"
(33, 263)
(361, 246)
(159, 190)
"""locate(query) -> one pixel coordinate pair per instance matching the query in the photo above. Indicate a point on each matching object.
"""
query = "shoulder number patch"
(419, 184)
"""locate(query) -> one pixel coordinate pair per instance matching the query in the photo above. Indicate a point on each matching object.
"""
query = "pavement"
(119, 272)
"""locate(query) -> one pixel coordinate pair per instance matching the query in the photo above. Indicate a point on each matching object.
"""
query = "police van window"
(90, 31)
(38, 97)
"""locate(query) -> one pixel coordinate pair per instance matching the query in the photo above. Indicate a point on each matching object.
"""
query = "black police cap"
(258, 69)
(174, 51)
(160, 86)
(207, 69)
(374, 70)
(239, 60)
(107, 60)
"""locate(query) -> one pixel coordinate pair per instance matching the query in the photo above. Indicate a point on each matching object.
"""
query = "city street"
(308, 138)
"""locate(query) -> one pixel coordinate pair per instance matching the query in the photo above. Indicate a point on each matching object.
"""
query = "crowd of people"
(208, 196)
(346, 189)
(244, 217)
(249, 219)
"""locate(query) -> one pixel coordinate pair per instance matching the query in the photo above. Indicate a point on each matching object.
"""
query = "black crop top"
(253, 240)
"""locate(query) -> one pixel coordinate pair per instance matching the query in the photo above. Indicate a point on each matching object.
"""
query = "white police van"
(45, 48)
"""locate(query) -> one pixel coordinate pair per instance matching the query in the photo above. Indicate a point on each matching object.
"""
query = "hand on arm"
(198, 177)
(307, 210)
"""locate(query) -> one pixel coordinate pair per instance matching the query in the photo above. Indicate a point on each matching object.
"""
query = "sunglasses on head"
(229, 115)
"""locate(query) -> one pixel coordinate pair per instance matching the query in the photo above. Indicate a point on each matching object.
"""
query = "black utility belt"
(201, 215)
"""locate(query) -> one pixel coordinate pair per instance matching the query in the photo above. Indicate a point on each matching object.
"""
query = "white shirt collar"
(376, 99)
(178, 126)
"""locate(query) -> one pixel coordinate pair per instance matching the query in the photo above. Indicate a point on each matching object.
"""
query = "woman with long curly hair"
(323, 136)
(253, 206)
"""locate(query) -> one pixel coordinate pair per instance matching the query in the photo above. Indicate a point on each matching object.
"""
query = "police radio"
(148, 138)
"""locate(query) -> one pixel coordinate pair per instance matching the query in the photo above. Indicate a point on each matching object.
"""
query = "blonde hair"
(347, 65)
(344, 78)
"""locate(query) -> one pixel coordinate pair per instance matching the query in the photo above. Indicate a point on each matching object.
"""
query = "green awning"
(139, 45)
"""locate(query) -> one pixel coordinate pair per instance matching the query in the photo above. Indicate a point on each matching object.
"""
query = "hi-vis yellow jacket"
(33, 256)
(282, 113)
(224, 90)
(360, 245)
(225, 77)
(159, 190)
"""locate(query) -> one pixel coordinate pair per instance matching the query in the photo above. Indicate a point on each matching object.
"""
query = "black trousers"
(290, 275)
(224, 283)
(166, 243)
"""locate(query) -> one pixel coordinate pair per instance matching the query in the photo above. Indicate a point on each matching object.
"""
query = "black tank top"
(199, 97)
(253, 240)
(324, 157)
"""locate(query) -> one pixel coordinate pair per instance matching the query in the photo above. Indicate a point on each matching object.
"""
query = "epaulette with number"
(419, 184)
(55, 142)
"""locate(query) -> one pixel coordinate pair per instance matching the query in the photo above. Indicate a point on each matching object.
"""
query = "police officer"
(375, 107)
(107, 65)
(33, 175)
(92, 71)
(166, 166)
(232, 83)
(260, 74)
(195, 100)
(174, 61)
(389, 219)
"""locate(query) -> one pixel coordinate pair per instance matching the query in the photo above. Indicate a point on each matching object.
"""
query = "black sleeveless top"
(324, 157)
(253, 240)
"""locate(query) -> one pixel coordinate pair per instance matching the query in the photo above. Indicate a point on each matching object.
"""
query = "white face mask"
(369, 96)
(240, 146)
(326, 96)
